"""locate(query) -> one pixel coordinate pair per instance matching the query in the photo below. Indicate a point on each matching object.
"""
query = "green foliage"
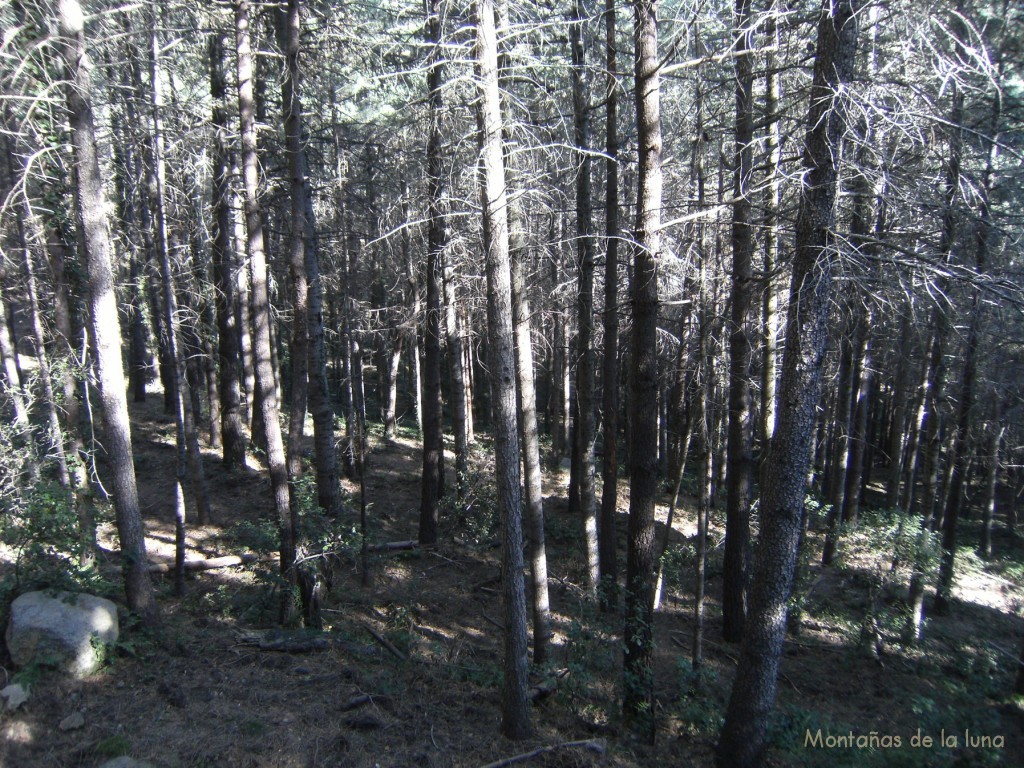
(42, 529)
(477, 519)
(700, 713)
(113, 746)
(677, 566)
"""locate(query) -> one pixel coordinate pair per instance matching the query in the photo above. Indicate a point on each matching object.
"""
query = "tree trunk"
(640, 577)
(585, 423)
(263, 363)
(772, 238)
(106, 330)
(743, 738)
(996, 431)
(740, 439)
(515, 720)
(432, 485)
(305, 264)
(224, 265)
(836, 475)
(935, 376)
(529, 441)
(606, 530)
(188, 456)
(968, 385)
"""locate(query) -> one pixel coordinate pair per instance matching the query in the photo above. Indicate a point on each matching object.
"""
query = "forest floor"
(201, 692)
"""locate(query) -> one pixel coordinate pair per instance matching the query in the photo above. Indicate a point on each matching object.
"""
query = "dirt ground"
(202, 692)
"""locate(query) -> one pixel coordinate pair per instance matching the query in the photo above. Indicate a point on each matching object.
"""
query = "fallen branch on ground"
(287, 643)
(207, 564)
(393, 546)
(594, 745)
(542, 690)
(385, 642)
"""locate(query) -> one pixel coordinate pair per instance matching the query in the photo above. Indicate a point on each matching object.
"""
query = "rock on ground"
(61, 628)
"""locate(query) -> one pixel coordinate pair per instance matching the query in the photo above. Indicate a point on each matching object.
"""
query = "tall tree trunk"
(743, 738)
(432, 485)
(585, 423)
(835, 480)
(935, 376)
(740, 439)
(289, 29)
(515, 718)
(526, 399)
(188, 454)
(969, 377)
(769, 297)
(106, 330)
(224, 265)
(267, 392)
(996, 431)
(607, 538)
(305, 263)
(643, 405)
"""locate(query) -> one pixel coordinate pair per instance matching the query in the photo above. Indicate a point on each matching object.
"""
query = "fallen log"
(206, 564)
(286, 642)
(594, 745)
(393, 546)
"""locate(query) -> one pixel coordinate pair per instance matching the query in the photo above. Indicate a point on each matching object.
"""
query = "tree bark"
(106, 330)
(432, 485)
(585, 422)
(643, 405)
(743, 738)
(740, 437)
(224, 266)
(607, 535)
(515, 721)
(263, 364)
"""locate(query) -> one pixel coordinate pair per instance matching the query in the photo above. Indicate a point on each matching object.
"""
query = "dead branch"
(594, 745)
(542, 690)
(386, 643)
(207, 564)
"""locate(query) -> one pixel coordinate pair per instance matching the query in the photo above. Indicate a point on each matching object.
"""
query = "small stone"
(14, 695)
(302, 671)
(71, 722)
(362, 722)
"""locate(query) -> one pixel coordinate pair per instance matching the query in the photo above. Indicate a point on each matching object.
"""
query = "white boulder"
(61, 628)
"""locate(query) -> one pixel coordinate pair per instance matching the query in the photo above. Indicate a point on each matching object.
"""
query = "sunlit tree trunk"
(607, 538)
(585, 422)
(743, 738)
(263, 363)
(643, 405)
(106, 330)
(305, 256)
(740, 458)
(515, 720)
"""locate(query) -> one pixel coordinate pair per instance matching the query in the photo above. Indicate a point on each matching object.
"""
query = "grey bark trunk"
(103, 315)
(743, 738)
(263, 363)
(432, 485)
(740, 436)
(643, 406)
(515, 720)
(607, 538)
